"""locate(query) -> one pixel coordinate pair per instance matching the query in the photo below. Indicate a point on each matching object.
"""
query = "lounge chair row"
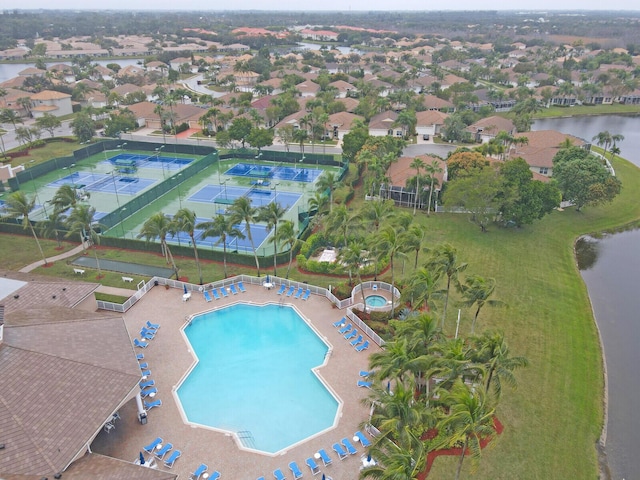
(222, 291)
(351, 333)
(147, 332)
(292, 291)
(160, 450)
(343, 449)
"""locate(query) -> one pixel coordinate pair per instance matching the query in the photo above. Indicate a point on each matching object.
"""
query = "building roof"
(430, 117)
(383, 121)
(492, 125)
(401, 171)
(61, 380)
(49, 95)
(542, 146)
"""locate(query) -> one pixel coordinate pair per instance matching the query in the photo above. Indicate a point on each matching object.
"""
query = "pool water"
(254, 376)
(375, 301)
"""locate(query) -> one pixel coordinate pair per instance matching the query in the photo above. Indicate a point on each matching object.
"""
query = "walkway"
(39, 263)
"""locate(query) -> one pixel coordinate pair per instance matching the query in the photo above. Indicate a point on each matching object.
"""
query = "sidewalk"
(39, 263)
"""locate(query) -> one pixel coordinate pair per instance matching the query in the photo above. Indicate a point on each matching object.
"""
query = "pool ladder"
(246, 438)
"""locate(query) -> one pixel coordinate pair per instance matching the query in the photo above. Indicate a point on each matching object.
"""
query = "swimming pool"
(254, 376)
(375, 301)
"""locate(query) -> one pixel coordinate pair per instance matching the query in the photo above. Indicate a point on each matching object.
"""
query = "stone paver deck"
(169, 358)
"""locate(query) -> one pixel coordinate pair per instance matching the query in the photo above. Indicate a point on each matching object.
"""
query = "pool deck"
(169, 358)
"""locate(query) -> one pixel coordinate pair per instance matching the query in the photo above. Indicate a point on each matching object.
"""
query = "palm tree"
(417, 164)
(340, 221)
(378, 212)
(18, 205)
(603, 139)
(354, 257)
(66, 196)
(391, 241)
(327, 181)
(53, 225)
(432, 169)
(492, 351)
(469, 422)
(185, 221)
(287, 237)
(221, 227)
(444, 259)
(300, 136)
(421, 289)
(394, 462)
(272, 213)
(414, 239)
(242, 211)
(477, 291)
(81, 220)
(9, 116)
(159, 226)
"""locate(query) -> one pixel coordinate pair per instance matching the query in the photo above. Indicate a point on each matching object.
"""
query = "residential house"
(319, 35)
(308, 89)
(339, 124)
(383, 124)
(487, 128)
(431, 102)
(430, 122)
(50, 101)
(541, 147)
(344, 88)
(400, 172)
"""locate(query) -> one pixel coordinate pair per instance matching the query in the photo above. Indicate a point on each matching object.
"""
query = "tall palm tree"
(53, 225)
(492, 351)
(185, 221)
(477, 291)
(470, 421)
(391, 240)
(354, 257)
(18, 205)
(603, 139)
(340, 221)
(272, 213)
(327, 181)
(241, 210)
(81, 220)
(417, 164)
(66, 196)
(378, 212)
(432, 169)
(422, 288)
(159, 226)
(222, 227)
(287, 237)
(444, 259)
(414, 239)
(395, 462)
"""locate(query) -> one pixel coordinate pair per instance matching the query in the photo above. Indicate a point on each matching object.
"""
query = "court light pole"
(35, 189)
(179, 192)
(158, 150)
(124, 209)
(225, 188)
(115, 188)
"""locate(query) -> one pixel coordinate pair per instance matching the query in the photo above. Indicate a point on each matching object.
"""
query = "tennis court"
(126, 161)
(259, 197)
(106, 183)
(280, 172)
(259, 234)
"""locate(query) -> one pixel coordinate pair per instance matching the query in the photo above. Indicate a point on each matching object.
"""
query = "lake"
(610, 267)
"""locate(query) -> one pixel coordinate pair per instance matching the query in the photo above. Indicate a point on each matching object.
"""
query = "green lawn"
(553, 420)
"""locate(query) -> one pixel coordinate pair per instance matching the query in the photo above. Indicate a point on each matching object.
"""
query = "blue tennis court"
(124, 161)
(258, 232)
(100, 182)
(278, 173)
(259, 197)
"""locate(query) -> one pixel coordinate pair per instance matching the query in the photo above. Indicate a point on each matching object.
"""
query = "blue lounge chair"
(362, 347)
(199, 471)
(150, 405)
(215, 293)
(146, 333)
(144, 365)
(347, 444)
(241, 287)
(152, 446)
(140, 356)
(163, 451)
(147, 384)
(362, 383)
(313, 466)
(298, 293)
(342, 321)
(295, 470)
(223, 291)
(278, 474)
(233, 289)
(145, 374)
(172, 458)
(345, 329)
(365, 373)
(148, 391)
(326, 459)
(207, 297)
(283, 287)
(363, 440)
(290, 291)
(153, 326)
(260, 478)
(140, 344)
(339, 450)
(351, 334)
(306, 294)
(215, 475)
(356, 341)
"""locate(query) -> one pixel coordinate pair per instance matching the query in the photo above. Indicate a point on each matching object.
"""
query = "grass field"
(553, 420)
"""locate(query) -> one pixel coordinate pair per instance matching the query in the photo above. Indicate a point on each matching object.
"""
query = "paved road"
(11, 142)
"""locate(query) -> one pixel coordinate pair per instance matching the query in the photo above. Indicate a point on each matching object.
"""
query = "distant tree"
(353, 141)
(260, 138)
(18, 205)
(464, 161)
(49, 123)
(122, 121)
(240, 129)
(477, 193)
(84, 128)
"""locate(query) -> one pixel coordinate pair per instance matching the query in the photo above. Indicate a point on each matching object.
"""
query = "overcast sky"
(317, 5)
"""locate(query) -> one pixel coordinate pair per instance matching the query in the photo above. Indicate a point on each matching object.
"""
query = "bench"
(127, 279)
(79, 271)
